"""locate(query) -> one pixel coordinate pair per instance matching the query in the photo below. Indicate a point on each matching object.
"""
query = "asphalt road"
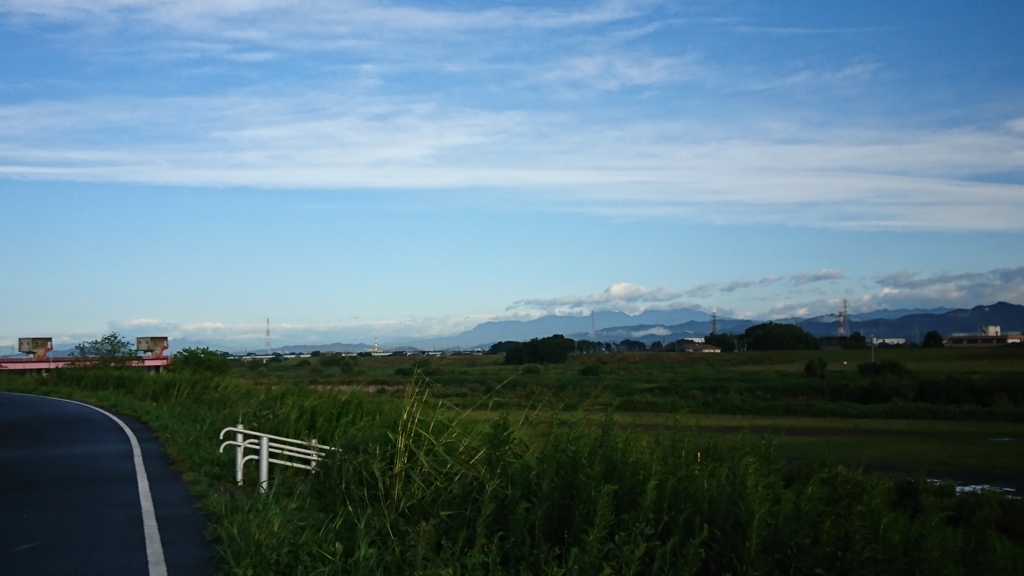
(74, 500)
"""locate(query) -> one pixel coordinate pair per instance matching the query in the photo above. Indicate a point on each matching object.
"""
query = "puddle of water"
(962, 488)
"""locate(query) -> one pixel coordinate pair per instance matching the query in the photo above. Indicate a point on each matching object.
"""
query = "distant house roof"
(971, 340)
(702, 348)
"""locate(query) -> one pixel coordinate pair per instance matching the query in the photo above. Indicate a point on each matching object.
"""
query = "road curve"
(83, 491)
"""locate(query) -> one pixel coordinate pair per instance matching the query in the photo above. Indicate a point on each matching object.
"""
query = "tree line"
(114, 352)
(760, 337)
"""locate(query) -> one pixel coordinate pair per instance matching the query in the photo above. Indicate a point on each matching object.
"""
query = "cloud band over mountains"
(898, 290)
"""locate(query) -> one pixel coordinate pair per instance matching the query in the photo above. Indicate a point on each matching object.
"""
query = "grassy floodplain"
(946, 418)
(480, 468)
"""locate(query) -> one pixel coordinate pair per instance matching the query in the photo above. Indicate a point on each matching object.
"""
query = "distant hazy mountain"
(866, 316)
(650, 333)
(336, 347)
(893, 314)
(178, 344)
(670, 325)
(658, 326)
(913, 327)
(483, 335)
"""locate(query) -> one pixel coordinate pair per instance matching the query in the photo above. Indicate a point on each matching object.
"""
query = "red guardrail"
(50, 363)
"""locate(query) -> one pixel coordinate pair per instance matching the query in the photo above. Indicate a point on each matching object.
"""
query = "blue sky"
(361, 169)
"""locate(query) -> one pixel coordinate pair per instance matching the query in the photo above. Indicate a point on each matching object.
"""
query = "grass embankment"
(418, 489)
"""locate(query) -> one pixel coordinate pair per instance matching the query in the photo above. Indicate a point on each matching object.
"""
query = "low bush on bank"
(816, 368)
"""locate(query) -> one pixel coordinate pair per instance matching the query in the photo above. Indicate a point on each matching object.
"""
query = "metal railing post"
(264, 464)
(288, 451)
(239, 438)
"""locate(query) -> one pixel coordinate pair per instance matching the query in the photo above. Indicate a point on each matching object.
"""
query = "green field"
(969, 452)
(950, 435)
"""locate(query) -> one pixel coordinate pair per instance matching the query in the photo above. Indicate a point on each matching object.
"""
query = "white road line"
(154, 547)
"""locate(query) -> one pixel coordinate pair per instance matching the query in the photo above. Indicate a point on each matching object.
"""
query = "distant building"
(889, 341)
(989, 336)
(705, 348)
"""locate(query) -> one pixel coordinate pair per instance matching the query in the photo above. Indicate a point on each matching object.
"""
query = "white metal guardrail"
(307, 453)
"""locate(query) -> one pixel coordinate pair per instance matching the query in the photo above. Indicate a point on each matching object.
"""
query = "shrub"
(503, 346)
(530, 369)
(591, 370)
(551, 350)
(933, 340)
(885, 367)
(201, 361)
(333, 360)
(816, 368)
(110, 351)
(772, 336)
(347, 364)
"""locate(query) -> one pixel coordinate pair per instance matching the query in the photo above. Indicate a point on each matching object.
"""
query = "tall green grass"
(416, 489)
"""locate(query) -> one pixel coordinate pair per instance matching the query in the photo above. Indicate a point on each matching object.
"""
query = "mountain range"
(913, 327)
(671, 325)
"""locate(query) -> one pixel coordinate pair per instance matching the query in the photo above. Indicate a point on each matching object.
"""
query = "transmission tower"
(266, 345)
(714, 323)
(844, 320)
(593, 331)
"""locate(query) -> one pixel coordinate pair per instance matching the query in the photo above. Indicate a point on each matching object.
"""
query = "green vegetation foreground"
(415, 491)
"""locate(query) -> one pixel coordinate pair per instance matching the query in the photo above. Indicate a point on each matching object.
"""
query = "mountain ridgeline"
(671, 325)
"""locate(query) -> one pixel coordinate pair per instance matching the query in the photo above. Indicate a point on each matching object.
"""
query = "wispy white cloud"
(736, 285)
(909, 289)
(702, 291)
(801, 31)
(846, 76)
(822, 276)
(350, 133)
(969, 280)
(315, 23)
(899, 290)
(795, 309)
(863, 179)
(616, 71)
(621, 296)
(656, 331)
(708, 290)
(376, 37)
